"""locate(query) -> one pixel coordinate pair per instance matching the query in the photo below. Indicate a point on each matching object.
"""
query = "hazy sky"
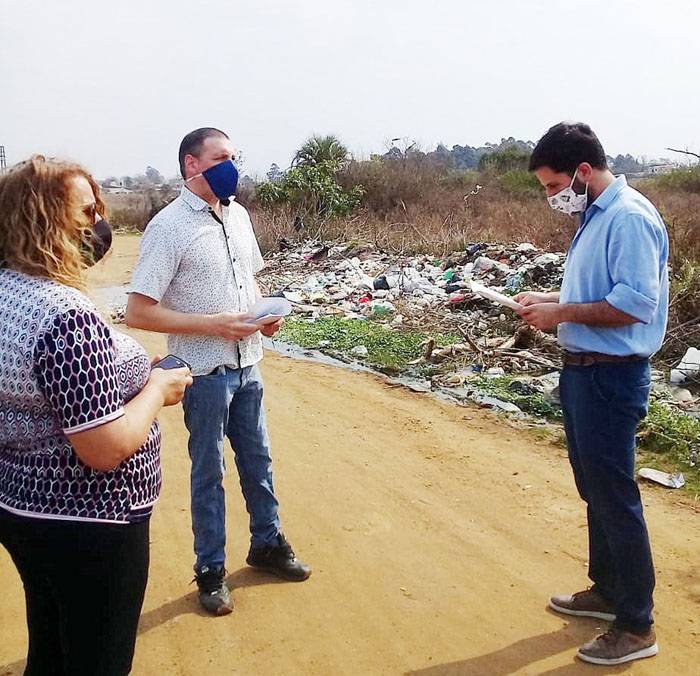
(116, 85)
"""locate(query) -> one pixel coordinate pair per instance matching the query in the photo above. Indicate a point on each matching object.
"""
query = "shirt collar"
(605, 198)
(192, 200)
(196, 202)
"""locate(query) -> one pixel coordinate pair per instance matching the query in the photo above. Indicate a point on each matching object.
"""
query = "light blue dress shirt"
(619, 254)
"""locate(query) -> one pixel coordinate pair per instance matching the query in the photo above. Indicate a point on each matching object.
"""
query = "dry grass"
(423, 207)
(681, 212)
(412, 209)
(128, 212)
(133, 211)
(448, 223)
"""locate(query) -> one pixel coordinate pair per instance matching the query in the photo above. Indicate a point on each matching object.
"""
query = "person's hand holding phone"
(171, 382)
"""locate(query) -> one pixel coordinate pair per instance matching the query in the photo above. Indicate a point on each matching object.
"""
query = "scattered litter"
(525, 247)
(381, 308)
(359, 351)
(674, 480)
(423, 293)
(688, 368)
(682, 396)
(487, 401)
(546, 259)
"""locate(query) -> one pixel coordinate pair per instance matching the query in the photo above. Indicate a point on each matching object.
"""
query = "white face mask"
(567, 201)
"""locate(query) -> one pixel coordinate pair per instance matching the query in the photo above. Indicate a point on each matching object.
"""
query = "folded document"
(485, 292)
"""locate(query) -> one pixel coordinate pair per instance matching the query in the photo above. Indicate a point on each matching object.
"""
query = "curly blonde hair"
(39, 232)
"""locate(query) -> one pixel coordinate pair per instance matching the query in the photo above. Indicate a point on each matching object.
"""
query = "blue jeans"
(602, 406)
(228, 403)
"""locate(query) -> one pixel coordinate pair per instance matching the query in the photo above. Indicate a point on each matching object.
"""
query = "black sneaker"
(214, 595)
(279, 559)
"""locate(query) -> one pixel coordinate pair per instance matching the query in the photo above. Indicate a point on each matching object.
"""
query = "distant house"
(659, 168)
(116, 188)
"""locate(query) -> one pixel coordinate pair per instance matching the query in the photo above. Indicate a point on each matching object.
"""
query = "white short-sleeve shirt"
(190, 262)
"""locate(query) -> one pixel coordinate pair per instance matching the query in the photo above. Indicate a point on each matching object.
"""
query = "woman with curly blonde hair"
(79, 441)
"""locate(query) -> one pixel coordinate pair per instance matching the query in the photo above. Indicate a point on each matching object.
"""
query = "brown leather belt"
(591, 358)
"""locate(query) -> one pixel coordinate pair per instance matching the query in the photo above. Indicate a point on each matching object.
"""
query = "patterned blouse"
(64, 370)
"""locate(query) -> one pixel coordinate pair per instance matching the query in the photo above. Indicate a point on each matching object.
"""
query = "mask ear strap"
(187, 180)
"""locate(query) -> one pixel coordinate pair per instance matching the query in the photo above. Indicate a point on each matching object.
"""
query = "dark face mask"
(222, 179)
(100, 241)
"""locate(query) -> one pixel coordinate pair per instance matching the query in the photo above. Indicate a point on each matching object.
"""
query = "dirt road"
(436, 534)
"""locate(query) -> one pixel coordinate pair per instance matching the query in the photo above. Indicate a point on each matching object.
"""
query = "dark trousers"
(84, 585)
(602, 406)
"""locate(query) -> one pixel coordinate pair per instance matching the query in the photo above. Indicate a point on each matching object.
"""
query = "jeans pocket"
(603, 384)
(624, 386)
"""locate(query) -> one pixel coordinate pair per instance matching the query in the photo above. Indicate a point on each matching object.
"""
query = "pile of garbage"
(422, 292)
(434, 296)
(346, 278)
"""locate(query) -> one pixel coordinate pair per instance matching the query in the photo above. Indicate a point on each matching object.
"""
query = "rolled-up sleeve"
(634, 264)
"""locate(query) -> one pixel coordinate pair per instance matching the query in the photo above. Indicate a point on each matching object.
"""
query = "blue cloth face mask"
(222, 179)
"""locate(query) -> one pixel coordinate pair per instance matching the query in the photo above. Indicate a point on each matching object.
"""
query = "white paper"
(490, 294)
(269, 310)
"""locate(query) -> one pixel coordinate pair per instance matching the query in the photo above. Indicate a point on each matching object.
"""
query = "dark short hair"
(565, 146)
(192, 144)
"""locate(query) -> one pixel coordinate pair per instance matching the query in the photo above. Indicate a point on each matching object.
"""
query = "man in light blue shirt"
(611, 317)
(619, 254)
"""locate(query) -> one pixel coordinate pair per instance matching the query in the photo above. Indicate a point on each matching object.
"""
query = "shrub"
(683, 180)
(511, 158)
(521, 183)
(313, 190)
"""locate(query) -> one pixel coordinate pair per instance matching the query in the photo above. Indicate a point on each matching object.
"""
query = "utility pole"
(3, 159)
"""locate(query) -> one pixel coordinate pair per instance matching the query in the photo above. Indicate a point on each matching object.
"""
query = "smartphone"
(171, 362)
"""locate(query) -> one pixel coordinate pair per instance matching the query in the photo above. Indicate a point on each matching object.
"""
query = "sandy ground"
(436, 534)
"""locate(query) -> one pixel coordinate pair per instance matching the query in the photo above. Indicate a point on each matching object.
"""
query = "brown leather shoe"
(617, 646)
(587, 603)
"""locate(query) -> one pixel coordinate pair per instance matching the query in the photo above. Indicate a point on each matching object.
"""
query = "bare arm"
(103, 448)
(548, 315)
(146, 313)
(595, 314)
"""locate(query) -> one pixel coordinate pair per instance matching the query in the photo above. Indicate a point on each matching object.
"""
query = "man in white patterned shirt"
(195, 281)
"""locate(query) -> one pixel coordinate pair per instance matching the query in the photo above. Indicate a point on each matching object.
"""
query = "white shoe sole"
(608, 617)
(639, 655)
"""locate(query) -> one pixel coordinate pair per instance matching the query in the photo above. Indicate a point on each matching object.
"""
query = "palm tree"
(321, 149)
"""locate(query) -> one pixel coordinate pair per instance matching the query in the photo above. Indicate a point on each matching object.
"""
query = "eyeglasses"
(90, 211)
